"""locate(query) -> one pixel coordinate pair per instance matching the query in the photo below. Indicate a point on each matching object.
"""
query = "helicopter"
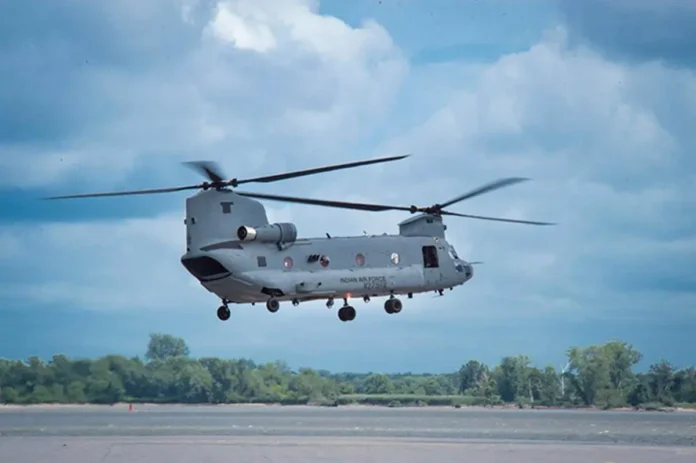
(241, 258)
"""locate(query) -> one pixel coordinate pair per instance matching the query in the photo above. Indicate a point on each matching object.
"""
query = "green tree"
(163, 346)
(471, 376)
(549, 386)
(377, 383)
(588, 372)
(601, 375)
(621, 358)
(662, 380)
(684, 385)
(512, 378)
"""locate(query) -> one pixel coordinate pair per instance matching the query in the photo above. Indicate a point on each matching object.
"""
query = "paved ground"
(303, 434)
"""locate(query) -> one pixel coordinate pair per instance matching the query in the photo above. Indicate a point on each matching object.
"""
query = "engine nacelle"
(272, 233)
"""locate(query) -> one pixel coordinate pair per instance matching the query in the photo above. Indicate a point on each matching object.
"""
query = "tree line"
(595, 376)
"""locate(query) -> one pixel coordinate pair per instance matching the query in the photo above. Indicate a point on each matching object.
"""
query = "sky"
(595, 103)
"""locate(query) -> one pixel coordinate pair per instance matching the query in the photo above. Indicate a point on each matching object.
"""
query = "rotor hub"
(435, 209)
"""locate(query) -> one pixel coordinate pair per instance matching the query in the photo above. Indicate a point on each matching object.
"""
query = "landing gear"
(393, 305)
(346, 313)
(329, 303)
(295, 302)
(272, 305)
(223, 312)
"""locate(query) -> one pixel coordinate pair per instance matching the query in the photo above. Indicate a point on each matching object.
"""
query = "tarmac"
(344, 434)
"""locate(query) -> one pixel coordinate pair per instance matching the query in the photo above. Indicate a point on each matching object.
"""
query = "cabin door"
(431, 266)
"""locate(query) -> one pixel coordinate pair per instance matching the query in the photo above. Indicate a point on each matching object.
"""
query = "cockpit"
(459, 264)
(453, 253)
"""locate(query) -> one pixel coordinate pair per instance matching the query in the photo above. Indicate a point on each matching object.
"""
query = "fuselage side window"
(430, 259)
(287, 263)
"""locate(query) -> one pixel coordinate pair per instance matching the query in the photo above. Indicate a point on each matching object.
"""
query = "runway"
(344, 434)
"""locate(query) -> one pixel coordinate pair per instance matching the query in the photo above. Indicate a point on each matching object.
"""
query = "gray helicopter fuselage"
(271, 262)
(319, 268)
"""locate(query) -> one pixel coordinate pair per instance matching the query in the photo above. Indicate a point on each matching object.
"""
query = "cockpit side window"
(453, 253)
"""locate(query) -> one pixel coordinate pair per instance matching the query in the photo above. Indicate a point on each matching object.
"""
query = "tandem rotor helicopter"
(236, 254)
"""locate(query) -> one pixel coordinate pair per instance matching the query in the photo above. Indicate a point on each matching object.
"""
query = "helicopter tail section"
(214, 216)
(205, 268)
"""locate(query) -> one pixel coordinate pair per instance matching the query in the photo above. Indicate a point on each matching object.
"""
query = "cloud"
(635, 30)
(263, 88)
(611, 163)
(315, 84)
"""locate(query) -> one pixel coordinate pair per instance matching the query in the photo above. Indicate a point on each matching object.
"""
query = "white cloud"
(261, 77)
(100, 266)
(605, 160)
(247, 30)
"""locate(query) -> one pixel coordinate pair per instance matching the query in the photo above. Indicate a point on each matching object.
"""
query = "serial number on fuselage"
(367, 282)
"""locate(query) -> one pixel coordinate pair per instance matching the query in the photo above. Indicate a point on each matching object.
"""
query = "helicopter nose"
(468, 271)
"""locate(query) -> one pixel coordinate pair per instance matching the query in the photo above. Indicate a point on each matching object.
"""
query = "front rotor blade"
(327, 203)
(485, 189)
(128, 193)
(468, 216)
(318, 170)
(208, 169)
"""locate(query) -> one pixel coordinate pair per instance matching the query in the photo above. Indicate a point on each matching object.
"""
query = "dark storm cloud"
(635, 30)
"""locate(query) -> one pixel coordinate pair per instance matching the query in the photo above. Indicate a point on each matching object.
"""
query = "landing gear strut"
(347, 312)
(223, 312)
(272, 305)
(392, 305)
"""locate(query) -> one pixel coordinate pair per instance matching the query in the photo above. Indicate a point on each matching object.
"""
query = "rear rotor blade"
(484, 189)
(468, 216)
(326, 203)
(318, 170)
(127, 193)
(208, 169)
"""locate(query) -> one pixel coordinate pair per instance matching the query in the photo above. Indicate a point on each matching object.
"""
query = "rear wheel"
(273, 305)
(223, 312)
(392, 305)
